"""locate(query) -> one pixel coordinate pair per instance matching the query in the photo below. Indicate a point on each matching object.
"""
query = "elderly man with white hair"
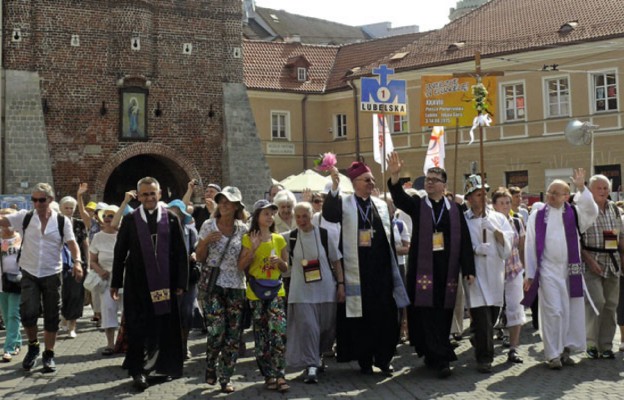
(553, 268)
(602, 253)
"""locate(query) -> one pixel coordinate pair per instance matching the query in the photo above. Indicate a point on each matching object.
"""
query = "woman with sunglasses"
(101, 257)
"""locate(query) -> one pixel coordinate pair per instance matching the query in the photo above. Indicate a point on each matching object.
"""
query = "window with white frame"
(398, 123)
(302, 74)
(514, 102)
(605, 91)
(340, 126)
(279, 125)
(557, 97)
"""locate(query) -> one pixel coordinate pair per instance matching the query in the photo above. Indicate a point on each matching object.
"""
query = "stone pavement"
(83, 373)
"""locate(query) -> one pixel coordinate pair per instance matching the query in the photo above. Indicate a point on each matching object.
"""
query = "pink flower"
(327, 162)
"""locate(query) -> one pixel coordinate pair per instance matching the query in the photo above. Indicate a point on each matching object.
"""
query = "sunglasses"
(317, 201)
(108, 216)
(39, 200)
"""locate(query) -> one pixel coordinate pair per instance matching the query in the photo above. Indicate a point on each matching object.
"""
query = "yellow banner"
(443, 98)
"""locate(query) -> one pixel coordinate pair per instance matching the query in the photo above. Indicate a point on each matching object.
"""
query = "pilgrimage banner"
(445, 97)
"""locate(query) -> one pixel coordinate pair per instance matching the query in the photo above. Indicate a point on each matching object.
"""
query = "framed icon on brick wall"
(133, 114)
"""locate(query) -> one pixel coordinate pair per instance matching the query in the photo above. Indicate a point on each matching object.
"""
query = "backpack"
(60, 220)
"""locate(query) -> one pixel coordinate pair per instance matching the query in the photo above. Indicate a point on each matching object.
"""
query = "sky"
(427, 14)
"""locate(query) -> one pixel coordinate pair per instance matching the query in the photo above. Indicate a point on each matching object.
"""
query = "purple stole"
(423, 296)
(574, 261)
(156, 261)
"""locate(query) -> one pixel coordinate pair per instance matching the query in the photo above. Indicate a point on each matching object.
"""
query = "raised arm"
(86, 218)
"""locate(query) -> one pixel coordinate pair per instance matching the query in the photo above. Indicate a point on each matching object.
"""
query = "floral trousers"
(223, 312)
(269, 328)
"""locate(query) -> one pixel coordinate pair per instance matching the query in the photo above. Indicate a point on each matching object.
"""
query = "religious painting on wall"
(133, 114)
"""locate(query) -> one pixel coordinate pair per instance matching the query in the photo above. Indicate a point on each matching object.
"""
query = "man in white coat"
(492, 238)
(554, 270)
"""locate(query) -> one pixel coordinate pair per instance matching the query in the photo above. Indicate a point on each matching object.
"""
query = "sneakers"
(592, 352)
(555, 363)
(608, 355)
(6, 357)
(513, 357)
(30, 360)
(48, 361)
(310, 375)
(72, 334)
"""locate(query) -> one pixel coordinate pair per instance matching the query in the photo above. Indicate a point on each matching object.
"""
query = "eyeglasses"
(367, 180)
(433, 180)
(39, 200)
(317, 201)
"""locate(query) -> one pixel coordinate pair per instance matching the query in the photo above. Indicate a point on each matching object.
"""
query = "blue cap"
(179, 204)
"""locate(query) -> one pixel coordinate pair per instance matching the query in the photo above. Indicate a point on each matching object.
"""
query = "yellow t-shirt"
(260, 267)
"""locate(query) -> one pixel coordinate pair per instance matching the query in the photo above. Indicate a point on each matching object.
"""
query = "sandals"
(282, 386)
(108, 351)
(270, 383)
(211, 376)
(226, 387)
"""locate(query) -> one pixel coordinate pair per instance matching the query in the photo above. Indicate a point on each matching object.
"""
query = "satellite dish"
(579, 133)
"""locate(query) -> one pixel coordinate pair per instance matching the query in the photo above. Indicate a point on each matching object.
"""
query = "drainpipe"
(304, 132)
(355, 118)
(2, 98)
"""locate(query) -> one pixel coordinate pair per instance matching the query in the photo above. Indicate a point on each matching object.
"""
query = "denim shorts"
(36, 292)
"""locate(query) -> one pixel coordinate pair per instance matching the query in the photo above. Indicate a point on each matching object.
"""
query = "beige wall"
(535, 145)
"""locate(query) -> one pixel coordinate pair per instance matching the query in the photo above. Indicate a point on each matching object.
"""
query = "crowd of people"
(351, 275)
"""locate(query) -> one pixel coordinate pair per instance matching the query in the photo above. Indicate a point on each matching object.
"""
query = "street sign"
(383, 96)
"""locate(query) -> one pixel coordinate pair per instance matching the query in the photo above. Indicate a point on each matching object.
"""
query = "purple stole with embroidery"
(423, 296)
(156, 261)
(575, 274)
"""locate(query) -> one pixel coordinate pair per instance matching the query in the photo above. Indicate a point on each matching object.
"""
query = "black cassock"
(154, 341)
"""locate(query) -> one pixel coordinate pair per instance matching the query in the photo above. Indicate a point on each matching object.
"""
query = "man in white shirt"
(492, 237)
(554, 271)
(41, 264)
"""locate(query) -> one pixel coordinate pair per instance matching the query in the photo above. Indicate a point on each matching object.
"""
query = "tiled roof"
(311, 30)
(510, 26)
(265, 66)
(360, 55)
(497, 28)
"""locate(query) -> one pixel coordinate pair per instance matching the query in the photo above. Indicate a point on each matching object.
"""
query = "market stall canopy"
(314, 181)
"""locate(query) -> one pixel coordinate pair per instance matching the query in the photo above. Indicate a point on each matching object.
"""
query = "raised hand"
(256, 239)
(579, 179)
(394, 166)
(335, 177)
(82, 188)
(306, 195)
(129, 195)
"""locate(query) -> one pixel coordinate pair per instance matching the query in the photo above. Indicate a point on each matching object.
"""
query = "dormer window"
(399, 56)
(456, 46)
(568, 27)
(302, 74)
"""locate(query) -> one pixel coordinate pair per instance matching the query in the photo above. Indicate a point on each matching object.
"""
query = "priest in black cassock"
(367, 327)
(440, 248)
(150, 251)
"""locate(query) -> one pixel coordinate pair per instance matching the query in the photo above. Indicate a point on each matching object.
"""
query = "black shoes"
(387, 370)
(140, 382)
(48, 361)
(444, 371)
(513, 357)
(30, 360)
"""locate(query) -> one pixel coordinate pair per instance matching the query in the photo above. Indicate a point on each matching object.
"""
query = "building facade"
(555, 66)
(109, 92)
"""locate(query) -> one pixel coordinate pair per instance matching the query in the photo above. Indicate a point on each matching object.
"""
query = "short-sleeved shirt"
(230, 276)
(103, 245)
(594, 237)
(260, 267)
(401, 235)
(41, 252)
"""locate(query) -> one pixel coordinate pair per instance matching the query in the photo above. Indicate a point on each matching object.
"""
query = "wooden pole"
(456, 157)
